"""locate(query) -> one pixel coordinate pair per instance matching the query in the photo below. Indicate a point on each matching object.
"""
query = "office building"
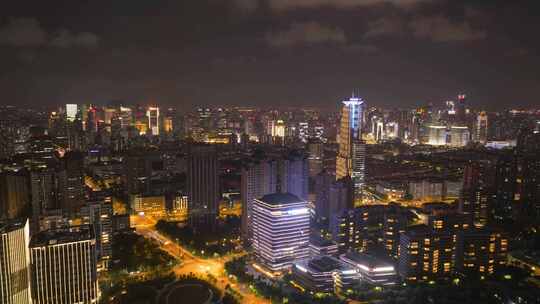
(152, 113)
(459, 136)
(324, 274)
(461, 108)
(371, 269)
(320, 246)
(139, 166)
(71, 112)
(98, 212)
(44, 193)
(437, 135)
(315, 148)
(148, 204)
(350, 159)
(71, 182)
(64, 266)
(281, 231)
(203, 183)
(481, 128)
(14, 262)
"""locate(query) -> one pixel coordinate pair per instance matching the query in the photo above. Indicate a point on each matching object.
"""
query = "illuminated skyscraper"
(71, 111)
(64, 268)
(461, 108)
(14, 263)
(459, 136)
(437, 135)
(481, 128)
(281, 223)
(153, 120)
(350, 160)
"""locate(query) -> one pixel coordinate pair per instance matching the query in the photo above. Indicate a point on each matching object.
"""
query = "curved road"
(144, 226)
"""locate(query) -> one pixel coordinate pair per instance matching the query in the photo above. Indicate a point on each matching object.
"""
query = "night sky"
(271, 52)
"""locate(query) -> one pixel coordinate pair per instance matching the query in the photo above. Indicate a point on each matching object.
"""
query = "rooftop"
(280, 199)
(8, 226)
(324, 264)
(62, 236)
(367, 260)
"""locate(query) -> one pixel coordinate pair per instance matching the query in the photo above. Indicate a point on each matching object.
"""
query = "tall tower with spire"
(350, 161)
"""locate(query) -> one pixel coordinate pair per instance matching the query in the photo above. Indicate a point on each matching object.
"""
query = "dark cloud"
(442, 29)
(28, 32)
(306, 33)
(23, 32)
(386, 25)
(366, 49)
(294, 4)
(65, 39)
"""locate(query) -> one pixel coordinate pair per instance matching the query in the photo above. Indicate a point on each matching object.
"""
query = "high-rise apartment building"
(294, 174)
(14, 262)
(481, 251)
(287, 173)
(426, 255)
(350, 160)
(64, 267)
(281, 230)
(259, 178)
(477, 189)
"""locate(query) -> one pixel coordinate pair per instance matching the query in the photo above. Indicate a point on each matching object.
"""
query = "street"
(144, 226)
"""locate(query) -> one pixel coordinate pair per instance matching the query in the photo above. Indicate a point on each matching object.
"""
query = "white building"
(459, 136)
(437, 135)
(14, 263)
(64, 266)
(281, 231)
(371, 269)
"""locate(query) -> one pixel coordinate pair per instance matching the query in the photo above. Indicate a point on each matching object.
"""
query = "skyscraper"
(153, 120)
(286, 173)
(14, 262)
(294, 174)
(14, 194)
(259, 178)
(203, 183)
(71, 182)
(350, 160)
(44, 193)
(64, 268)
(281, 230)
(476, 191)
(98, 212)
(71, 111)
(481, 128)
(461, 108)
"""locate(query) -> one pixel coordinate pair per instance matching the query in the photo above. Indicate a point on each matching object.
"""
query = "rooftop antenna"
(353, 93)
